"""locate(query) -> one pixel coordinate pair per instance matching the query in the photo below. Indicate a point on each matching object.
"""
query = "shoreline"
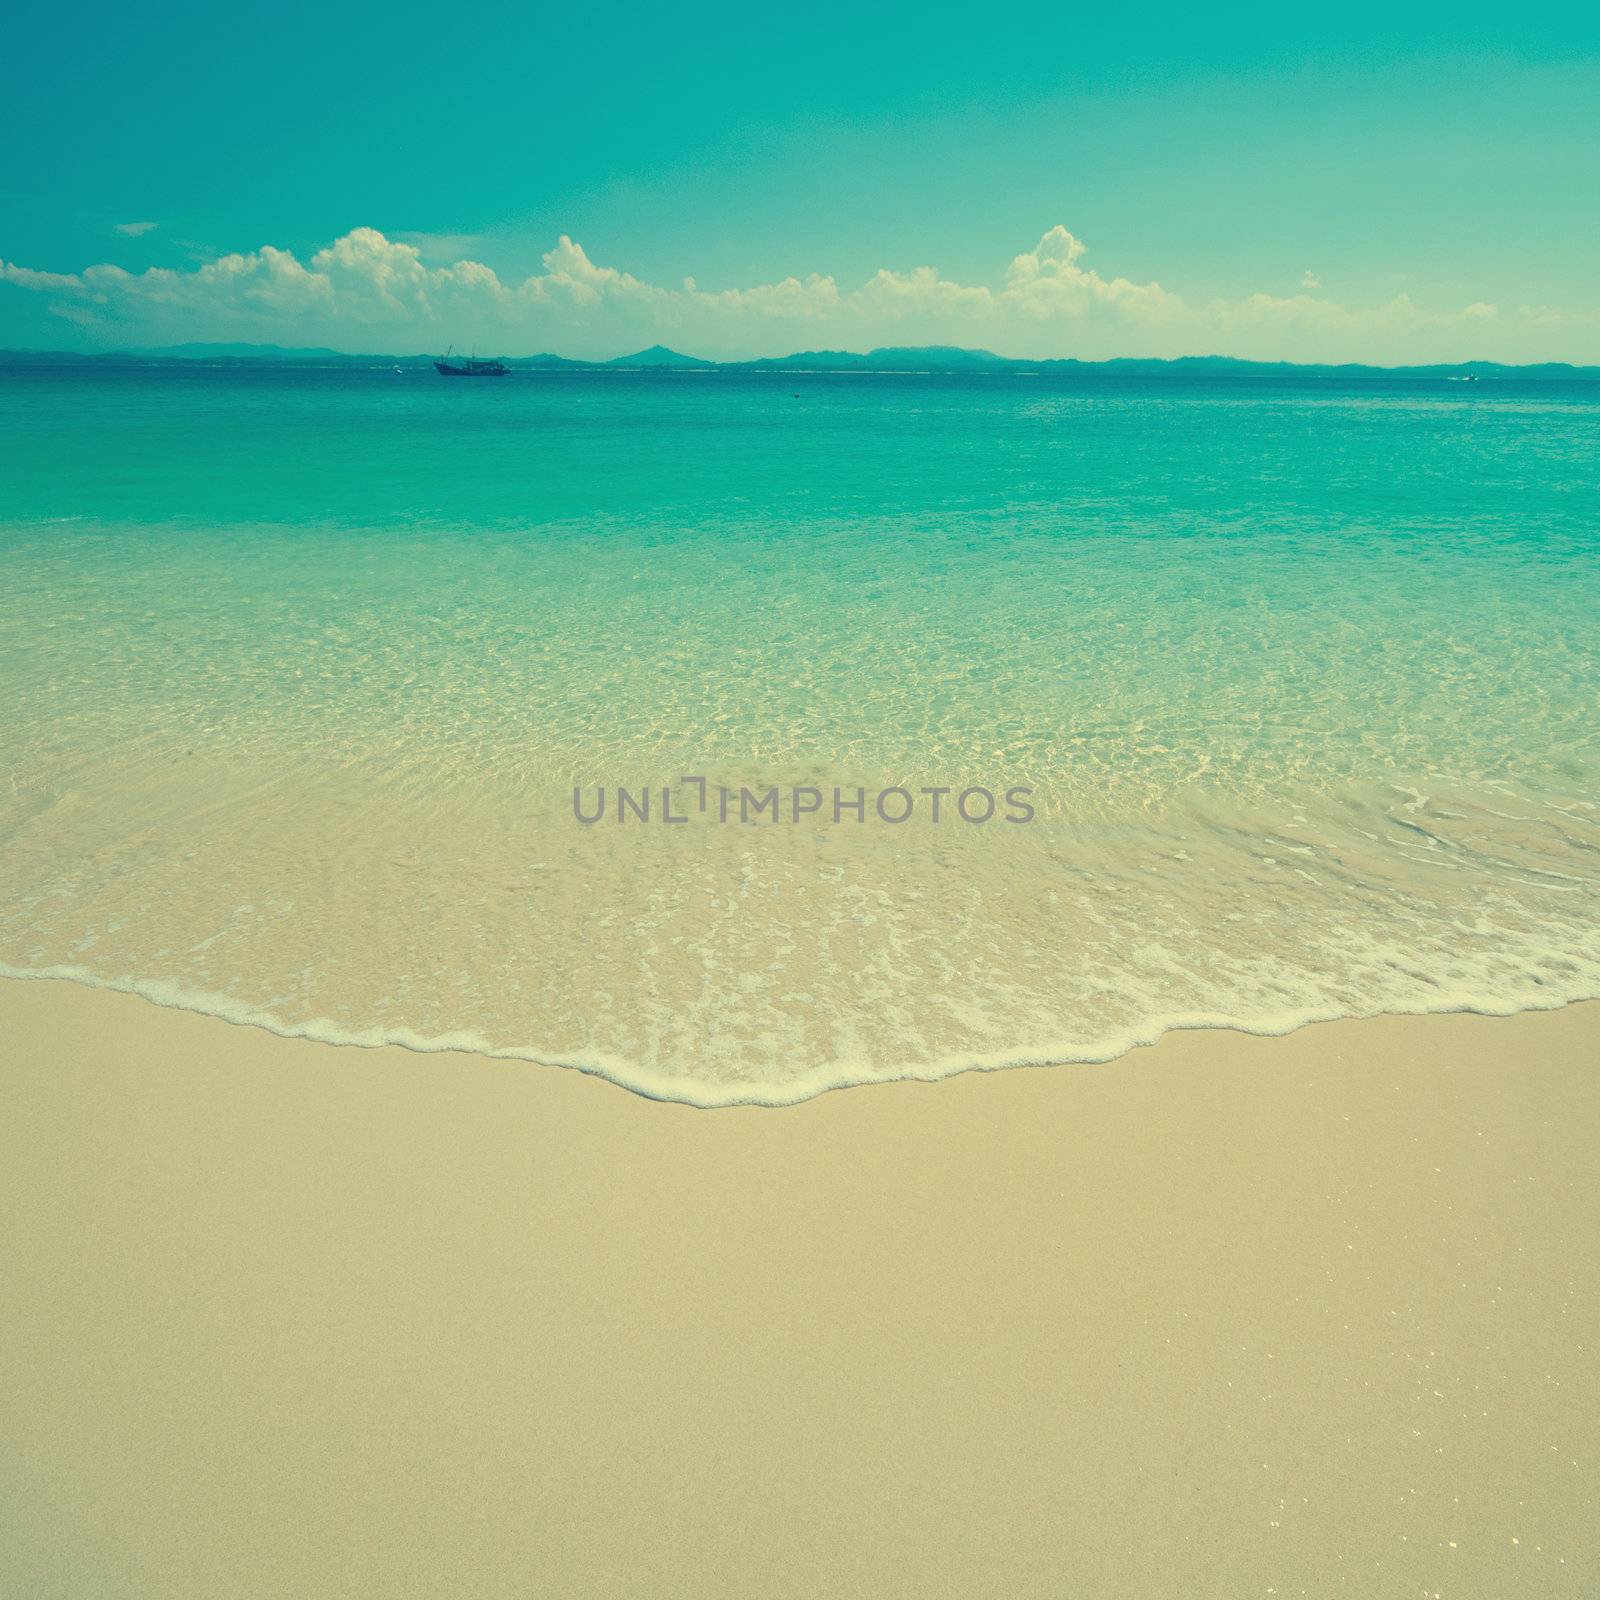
(1231, 1315)
(690, 1092)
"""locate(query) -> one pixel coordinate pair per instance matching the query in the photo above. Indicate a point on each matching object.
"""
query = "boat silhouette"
(471, 367)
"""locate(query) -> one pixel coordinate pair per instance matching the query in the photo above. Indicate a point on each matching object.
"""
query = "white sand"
(1229, 1317)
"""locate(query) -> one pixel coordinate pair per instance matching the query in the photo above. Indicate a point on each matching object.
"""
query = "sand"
(1229, 1317)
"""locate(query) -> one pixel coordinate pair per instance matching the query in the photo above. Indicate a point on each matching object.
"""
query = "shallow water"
(303, 667)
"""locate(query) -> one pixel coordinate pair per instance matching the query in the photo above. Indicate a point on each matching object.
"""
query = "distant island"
(887, 359)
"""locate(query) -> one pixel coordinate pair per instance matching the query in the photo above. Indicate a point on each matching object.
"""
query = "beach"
(903, 905)
(1229, 1316)
(738, 747)
(929, 985)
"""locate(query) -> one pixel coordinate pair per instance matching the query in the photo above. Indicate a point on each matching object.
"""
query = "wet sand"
(1231, 1316)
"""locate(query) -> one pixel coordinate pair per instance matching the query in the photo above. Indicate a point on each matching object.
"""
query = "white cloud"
(27, 278)
(136, 230)
(367, 290)
(1310, 280)
(1041, 285)
(442, 247)
(1048, 282)
(922, 292)
(1305, 313)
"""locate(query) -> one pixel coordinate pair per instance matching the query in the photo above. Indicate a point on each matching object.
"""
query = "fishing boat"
(471, 367)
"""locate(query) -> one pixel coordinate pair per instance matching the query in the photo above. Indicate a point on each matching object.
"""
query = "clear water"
(301, 668)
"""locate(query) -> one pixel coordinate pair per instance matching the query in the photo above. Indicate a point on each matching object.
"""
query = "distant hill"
(243, 352)
(214, 355)
(225, 354)
(946, 358)
(891, 358)
(918, 359)
(658, 356)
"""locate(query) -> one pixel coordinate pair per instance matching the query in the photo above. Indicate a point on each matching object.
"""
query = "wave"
(829, 1078)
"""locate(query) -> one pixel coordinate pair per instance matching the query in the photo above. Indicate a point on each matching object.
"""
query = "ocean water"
(302, 667)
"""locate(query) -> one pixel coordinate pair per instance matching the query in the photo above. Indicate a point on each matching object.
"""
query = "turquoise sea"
(302, 667)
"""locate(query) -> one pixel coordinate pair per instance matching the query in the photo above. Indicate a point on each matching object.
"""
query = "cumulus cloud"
(27, 278)
(1047, 282)
(1041, 285)
(442, 247)
(136, 230)
(1310, 280)
(368, 290)
(1307, 313)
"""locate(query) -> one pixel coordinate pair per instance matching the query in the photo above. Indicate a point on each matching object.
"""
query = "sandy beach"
(913, 915)
(1231, 1316)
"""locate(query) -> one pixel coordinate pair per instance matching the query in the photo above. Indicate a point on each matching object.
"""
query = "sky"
(1370, 183)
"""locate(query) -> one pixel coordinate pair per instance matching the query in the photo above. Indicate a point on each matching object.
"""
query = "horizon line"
(660, 357)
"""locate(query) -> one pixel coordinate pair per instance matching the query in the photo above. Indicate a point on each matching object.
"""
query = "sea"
(743, 735)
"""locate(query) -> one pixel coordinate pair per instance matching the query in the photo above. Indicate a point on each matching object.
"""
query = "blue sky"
(1394, 183)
